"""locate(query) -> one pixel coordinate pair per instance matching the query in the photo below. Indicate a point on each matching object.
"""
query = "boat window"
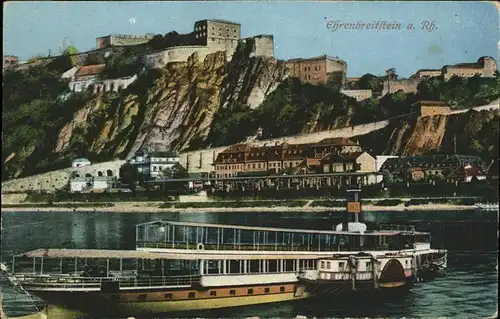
(213, 293)
(322, 265)
(267, 290)
(168, 296)
(254, 266)
(234, 266)
(191, 295)
(232, 292)
(282, 289)
(273, 266)
(289, 264)
(341, 266)
(142, 297)
(368, 265)
(250, 291)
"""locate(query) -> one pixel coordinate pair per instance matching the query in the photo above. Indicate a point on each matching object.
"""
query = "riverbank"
(155, 207)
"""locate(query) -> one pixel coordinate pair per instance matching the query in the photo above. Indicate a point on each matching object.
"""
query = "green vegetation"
(36, 105)
(293, 108)
(461, 92)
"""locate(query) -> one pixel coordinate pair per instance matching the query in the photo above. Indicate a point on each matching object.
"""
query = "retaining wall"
(55, 180)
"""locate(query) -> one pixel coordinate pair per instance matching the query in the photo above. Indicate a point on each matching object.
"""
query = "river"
(468, 289)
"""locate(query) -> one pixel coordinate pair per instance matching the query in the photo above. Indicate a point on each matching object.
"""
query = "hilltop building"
(9, 61)
(209, 36)
(122, 40)
(318, 69)
(88, 77)
(484, 67)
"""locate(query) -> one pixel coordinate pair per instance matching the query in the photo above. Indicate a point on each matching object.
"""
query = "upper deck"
(201, 236)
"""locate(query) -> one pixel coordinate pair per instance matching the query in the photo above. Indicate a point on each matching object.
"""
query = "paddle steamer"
(181, 266)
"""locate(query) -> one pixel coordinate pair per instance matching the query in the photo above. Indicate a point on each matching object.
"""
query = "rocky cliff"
(471, 132)
(168, 108)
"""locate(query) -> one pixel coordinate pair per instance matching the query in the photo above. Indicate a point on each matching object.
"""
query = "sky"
(463, 31)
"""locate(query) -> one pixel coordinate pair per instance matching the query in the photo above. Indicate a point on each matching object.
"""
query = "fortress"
(484, 67)
(209, 36)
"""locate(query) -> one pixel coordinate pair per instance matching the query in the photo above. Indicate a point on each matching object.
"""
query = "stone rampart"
(55, 180)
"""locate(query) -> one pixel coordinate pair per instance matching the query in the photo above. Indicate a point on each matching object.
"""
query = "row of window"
(308, 68)
(308, 77)
(257, 165)
(257, 266)
(213, 293)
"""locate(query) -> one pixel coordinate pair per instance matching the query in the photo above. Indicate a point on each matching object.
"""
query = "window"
(341, 266)
(191, 295)
(250, 291)
(322, 265)
(232, 292)
(328, 265)
(142, 297)
(267, 290)
(368, 265)
(168, 296)
(282, 289)
(213, 293)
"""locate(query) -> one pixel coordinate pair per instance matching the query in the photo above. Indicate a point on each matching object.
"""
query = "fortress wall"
(160, 59)
(263, 46)
(52, 181)
(202, 160)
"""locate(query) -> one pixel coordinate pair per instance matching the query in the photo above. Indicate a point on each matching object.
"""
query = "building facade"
(84, 77)
(335, 145)
(451, 168)
(484, 67)
(251, 159)
(221, 34)
(9, 61)
(317, 70)
(151, 165)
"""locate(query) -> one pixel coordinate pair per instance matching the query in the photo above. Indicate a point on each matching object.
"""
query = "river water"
(468, 289)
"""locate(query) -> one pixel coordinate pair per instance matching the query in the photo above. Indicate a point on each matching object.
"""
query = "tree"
(130, 176)
(70, 50)
(370, 82)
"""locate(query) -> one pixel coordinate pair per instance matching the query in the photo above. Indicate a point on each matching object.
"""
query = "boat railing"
(256, 247)
(409, 228)
(61, 281)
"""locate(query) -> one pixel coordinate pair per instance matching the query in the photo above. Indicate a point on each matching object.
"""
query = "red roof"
(90, 69)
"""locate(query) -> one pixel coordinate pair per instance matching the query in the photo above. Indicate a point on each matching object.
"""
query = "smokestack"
(353, 213)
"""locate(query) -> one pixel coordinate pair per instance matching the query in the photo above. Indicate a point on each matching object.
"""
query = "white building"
(152, 164)
(80, 162)
(83, 77)
(90, 184)
(379, 161)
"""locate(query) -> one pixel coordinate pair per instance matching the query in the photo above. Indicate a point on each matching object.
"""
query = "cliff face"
(170, 107)
(470, 133)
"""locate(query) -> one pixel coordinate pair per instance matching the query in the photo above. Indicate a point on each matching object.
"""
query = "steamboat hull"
(161, 301)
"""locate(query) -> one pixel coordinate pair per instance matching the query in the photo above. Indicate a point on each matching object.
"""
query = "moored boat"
(181, 266)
